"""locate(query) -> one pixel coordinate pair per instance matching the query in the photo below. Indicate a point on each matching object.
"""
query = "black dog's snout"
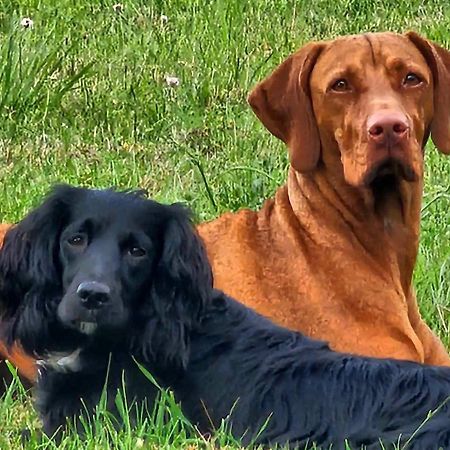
(93, 294)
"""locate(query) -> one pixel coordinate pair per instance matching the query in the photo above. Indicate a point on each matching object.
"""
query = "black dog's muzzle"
(93, 294)
(90, 305)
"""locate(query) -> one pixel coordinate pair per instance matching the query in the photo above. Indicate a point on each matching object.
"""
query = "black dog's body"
(308, 392)
(157, 305)
(312, 393)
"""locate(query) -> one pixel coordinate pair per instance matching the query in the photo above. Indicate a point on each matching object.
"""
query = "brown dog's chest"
(321, 281)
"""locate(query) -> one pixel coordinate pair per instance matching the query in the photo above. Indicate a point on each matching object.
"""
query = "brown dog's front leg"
(434, 351)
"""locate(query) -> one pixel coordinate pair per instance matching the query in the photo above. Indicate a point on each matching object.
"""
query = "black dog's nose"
(93, 294)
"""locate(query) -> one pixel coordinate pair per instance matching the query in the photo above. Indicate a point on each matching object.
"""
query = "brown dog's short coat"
(332, 255)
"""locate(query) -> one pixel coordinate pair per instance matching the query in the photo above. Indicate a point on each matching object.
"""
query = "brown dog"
(332, 255)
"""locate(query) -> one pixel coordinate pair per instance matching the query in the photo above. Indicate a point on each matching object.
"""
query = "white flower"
(164, 19)
(118, 8)
(172, 81)
(26, 22)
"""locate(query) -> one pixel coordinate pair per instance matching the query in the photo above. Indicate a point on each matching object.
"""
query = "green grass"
(83, 100)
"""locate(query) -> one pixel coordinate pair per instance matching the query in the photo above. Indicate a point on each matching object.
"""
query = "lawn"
(84, 99)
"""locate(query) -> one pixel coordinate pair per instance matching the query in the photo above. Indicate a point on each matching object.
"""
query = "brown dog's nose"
(387, 127)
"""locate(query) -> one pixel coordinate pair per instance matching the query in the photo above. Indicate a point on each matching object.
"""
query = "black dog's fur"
(217, 355)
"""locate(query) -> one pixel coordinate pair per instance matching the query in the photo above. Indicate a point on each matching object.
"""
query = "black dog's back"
(243, 363)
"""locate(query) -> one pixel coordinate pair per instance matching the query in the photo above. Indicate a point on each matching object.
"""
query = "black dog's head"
(98, 265)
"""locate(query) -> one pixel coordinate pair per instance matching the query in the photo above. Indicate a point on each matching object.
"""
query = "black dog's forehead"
(111, 207)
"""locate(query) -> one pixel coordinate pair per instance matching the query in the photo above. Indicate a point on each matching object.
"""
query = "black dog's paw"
(26, 435)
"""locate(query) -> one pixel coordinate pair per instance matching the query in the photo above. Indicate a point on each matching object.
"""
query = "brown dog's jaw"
(390, 167)
(384, 183)
(388, 181)
(386, 193)
(383, 171)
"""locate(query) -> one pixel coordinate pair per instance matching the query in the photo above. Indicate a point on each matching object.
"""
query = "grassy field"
(83, 99)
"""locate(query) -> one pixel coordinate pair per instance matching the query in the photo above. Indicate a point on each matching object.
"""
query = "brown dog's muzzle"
(390, 147)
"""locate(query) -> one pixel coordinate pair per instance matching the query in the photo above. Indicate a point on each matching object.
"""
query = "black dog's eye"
(77, 240)
(340, 85)
(412, 79)
(137, 252)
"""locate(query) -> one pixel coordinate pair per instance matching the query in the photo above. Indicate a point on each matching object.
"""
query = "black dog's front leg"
(61, 398)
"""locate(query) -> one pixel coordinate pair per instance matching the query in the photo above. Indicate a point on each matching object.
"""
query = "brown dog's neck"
(390, 221)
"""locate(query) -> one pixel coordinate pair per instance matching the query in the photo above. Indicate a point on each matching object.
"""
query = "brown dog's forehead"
(368, 49)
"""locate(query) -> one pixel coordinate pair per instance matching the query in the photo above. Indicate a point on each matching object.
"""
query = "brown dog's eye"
(412, 79)
(77, 240)
(340, 85)
(137, 252)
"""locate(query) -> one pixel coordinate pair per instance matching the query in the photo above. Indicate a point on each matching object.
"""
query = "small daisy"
(172, 81)
(164, 19)
(118, 8)
(26, 22)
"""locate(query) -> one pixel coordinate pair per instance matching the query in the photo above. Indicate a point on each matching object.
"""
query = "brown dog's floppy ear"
(283, 104)
(438, 58)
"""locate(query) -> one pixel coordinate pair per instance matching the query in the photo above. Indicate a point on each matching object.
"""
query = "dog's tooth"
(87, 327)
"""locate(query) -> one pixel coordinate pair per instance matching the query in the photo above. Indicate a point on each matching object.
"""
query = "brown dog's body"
(332, 255)
(323, 264)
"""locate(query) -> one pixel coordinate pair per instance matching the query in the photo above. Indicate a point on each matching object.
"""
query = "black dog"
(91, 274)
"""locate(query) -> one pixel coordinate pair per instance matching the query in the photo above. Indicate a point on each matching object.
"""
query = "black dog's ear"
(181, 285)
(28, 258)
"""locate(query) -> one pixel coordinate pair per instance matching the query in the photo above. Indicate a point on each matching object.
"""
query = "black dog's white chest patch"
(63, 362)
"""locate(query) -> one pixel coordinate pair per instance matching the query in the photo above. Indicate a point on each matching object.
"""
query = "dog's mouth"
(392, 170)
(87, 328)
(385, 185)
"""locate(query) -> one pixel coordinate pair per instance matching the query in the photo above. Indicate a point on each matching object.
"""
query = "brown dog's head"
(371, 100)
